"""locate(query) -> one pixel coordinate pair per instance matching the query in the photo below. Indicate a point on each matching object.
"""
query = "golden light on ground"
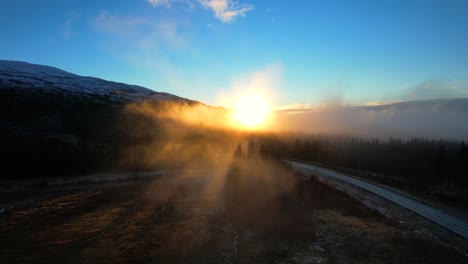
(251, 110)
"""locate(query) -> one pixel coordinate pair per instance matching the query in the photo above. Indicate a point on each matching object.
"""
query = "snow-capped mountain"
(46, 102)
(22, 75)
(53, 122)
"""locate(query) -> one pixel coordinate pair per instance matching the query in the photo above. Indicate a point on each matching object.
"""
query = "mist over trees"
(56, 135)
(43, 135)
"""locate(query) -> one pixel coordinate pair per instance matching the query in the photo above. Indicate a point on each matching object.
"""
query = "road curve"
(442, 218)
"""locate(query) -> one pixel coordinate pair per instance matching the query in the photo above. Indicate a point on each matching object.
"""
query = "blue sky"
(301, 52)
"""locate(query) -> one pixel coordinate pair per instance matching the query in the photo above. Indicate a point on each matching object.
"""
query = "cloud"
(226, 10)
(120, 26)
(438, 118)
(149, 44)
(142, 32)
(433, 89)
(211, 26)
(299, 107)
(166, 3)
(67, 27)
(144, 42)
(431, 109)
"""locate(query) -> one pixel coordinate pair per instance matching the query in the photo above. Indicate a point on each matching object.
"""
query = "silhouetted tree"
(251, 148)
(238, 152)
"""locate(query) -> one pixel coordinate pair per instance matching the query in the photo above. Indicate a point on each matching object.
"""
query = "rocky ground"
(397, 214)
(194, 218)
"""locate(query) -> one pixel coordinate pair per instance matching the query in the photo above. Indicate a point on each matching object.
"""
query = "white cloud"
(166, 3)
(226, 10)
(211, 26)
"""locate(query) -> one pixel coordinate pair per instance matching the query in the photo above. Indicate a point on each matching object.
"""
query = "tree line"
(416, 159)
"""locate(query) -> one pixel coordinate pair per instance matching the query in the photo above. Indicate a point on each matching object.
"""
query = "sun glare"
(251, 110)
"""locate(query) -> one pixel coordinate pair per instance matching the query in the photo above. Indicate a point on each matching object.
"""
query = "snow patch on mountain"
(23, 75)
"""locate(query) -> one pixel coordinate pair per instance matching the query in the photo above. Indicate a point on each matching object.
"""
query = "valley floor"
(181, 219)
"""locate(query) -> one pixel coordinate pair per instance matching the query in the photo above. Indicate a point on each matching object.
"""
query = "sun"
(251, 110)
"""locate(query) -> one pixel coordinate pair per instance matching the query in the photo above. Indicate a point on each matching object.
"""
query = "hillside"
(45, 101)
(39, 78)
(59, 123)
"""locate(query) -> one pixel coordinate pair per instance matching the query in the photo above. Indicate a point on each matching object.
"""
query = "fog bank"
(438, 118)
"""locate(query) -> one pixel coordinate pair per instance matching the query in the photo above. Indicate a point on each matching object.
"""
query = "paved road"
(444, 219)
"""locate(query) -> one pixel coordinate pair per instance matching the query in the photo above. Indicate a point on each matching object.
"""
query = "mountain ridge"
(20, 75)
